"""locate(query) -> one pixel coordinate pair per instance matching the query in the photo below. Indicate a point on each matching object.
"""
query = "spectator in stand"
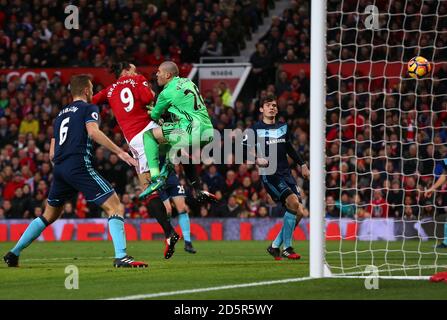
(156, 58)
(254, 205)
(231, 210)
(29, 124)
(15, 183)
(231, 183)
(262, 66)
(190, 51)
(213, 179)
(332, 211)
(262, 212)
(212, 47)
(378, 207)
(395, 200)
(346, 206)
(19, 206)
(68, 212)
(225, 94)
(141, 57)
(6, 206)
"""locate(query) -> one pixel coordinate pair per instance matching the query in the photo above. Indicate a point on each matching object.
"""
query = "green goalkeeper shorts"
(183, 134)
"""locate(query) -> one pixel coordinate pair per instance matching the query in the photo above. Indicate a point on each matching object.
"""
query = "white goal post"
(377, 135)
(317, 137)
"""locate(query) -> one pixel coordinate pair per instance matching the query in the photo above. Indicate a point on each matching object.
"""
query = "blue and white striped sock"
(278, 240)
(183, 221)
(116, 229)
(31, 233)
(289, 226)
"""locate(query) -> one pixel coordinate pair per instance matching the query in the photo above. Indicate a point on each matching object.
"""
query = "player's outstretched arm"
(435, 186)
(102, 139)
(161, 106)
(100, 97)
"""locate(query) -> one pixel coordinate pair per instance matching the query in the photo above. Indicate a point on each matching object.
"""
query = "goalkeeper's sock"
(158, 210)
(116, 230)
(31, 233)
(288, 227)
(183, 221)
(151, 149)
(278, 240)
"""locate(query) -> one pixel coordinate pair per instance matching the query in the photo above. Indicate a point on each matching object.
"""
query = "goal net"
(386, 138)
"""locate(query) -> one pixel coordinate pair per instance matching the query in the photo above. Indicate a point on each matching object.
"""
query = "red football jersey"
(128, 97)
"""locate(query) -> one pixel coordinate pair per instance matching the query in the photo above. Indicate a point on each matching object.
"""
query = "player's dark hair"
(118, 67)
(269, 98)
(78, 83)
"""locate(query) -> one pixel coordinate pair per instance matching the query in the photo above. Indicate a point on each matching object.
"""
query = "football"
(418, 67)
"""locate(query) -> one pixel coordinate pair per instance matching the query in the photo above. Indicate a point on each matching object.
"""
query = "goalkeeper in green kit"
(192, 127)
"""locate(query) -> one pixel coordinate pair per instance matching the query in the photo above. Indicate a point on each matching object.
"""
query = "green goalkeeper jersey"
(181, 98)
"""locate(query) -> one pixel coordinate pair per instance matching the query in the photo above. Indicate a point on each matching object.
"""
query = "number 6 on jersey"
(63, 131)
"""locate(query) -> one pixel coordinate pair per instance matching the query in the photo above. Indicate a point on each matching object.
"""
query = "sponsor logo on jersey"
(275, 141)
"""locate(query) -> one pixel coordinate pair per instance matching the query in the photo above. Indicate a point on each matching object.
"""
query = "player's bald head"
(170, 67)
(166, 72)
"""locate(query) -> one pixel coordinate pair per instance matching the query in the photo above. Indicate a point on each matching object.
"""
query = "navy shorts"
(173, 188)
(279, 188)
(70, 177)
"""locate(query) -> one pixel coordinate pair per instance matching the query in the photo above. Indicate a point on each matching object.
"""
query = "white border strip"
(240, 85)
(175, 293)
(192, 73)
(254, 284)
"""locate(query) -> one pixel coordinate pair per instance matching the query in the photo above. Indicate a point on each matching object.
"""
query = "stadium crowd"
(404, 29)
(383, 147)
(27, 109)
(32, 34)
(386, 138)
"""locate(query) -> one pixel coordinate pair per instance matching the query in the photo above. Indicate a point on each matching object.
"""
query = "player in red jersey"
(128, 97)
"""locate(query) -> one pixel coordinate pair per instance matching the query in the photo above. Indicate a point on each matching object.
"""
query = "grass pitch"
(41, 274)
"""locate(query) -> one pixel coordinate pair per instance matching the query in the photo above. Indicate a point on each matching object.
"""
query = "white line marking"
(252, 284)
(243, 285)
